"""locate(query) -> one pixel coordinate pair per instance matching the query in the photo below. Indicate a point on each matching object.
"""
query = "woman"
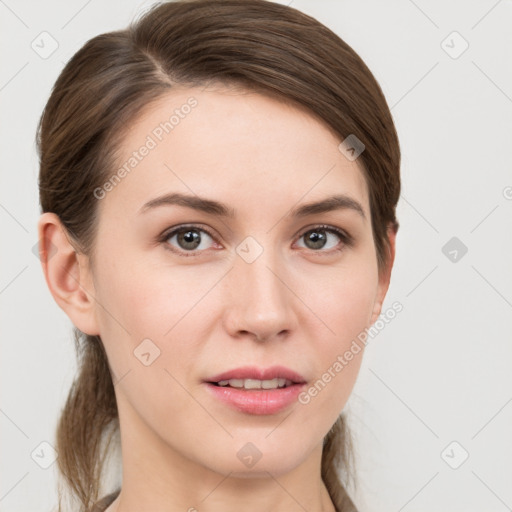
(218, 185)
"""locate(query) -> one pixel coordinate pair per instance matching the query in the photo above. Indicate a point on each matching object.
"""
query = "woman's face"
(248, 284)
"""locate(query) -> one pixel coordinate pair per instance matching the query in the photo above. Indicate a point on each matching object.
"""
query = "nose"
(261, 301)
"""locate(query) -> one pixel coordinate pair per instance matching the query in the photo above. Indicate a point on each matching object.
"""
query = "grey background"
(439, 372)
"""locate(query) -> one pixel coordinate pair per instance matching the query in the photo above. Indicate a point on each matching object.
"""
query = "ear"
(384, 276)
(67, 273)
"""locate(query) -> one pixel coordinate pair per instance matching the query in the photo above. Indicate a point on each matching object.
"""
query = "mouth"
(251, 384)
(257, 391)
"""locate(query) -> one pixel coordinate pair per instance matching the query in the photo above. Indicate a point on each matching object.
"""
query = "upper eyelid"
(171, 231)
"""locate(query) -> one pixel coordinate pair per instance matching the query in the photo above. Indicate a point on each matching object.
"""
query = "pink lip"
(257, 401)
(251, 372)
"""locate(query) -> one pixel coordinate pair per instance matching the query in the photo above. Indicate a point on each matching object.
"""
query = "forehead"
(233, 145)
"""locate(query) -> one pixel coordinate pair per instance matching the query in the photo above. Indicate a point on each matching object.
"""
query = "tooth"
(256, 383)
(269, 384)
(252, 384)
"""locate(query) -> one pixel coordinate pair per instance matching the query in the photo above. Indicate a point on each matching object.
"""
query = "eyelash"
(347, 240)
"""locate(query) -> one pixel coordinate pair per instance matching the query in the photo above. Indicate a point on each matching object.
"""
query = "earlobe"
(384, 277)
(66, 273)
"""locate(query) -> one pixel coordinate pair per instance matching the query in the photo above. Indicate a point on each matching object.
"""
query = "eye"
(188, 238)
(192, 237)
(317, 238)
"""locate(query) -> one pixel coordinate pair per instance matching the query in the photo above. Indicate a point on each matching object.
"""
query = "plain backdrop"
(432, 408)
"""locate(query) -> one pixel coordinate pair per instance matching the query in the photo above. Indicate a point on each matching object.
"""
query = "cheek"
(343, 298)
(146, 331)
(343, 305)
(153, 310)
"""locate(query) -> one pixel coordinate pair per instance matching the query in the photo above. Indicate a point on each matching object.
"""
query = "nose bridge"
(262, 303)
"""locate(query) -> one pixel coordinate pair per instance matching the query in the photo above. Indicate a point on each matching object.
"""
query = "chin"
(257, 474)
(266, 459)
(261, 469)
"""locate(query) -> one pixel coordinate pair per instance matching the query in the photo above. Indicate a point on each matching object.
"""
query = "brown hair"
(256, 44)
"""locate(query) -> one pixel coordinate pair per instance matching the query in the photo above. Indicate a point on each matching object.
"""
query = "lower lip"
(257, 401)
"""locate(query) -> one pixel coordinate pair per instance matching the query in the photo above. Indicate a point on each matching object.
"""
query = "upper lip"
(252, 372)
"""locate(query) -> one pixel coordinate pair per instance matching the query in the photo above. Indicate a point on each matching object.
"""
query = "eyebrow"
(209, 206)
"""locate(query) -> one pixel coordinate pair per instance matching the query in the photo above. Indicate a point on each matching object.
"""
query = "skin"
(295, 305)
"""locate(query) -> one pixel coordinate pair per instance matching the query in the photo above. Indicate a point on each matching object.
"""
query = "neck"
(230, 494)
(158, 478)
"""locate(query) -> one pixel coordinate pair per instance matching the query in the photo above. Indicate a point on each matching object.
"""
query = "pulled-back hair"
(259, 45)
